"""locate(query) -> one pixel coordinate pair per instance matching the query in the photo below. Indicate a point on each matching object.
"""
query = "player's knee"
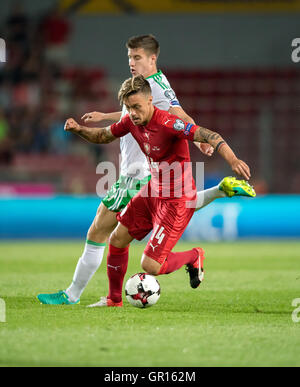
(114, 239)
(99, 225)
(97, 235)
(117, 240)
(150, 266)
(148, 269)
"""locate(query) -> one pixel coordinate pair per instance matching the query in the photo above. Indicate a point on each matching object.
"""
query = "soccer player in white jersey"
(143, 52)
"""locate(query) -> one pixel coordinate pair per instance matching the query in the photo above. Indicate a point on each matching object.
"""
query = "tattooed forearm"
(215, 140)
(96, 135)
(206, 135)
(224, 150)
(219, 145)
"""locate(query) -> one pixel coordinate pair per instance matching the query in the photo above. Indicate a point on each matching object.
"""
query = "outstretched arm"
(219, 144)
(207, 149)
(94, 135)
(98, 117)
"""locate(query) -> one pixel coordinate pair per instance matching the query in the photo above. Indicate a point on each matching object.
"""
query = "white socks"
(207, 196)
(87, 266)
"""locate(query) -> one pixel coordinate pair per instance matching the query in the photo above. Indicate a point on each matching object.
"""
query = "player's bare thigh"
(103, 225)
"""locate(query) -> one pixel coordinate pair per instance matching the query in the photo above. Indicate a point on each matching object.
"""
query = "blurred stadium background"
(230, 65)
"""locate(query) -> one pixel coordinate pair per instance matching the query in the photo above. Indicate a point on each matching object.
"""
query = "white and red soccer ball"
(142, 290)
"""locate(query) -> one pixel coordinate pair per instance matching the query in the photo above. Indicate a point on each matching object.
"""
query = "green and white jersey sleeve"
(164, 96)
(133, 161)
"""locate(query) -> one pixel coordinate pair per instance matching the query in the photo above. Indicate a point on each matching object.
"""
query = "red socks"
(117, 262)
(175, 261)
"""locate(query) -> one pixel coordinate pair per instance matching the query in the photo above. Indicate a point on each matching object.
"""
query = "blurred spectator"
(17, 26)
(55, 29)
(41, 143)
(59, 139)
(17, 34)
(5, 95)
(37, 92)
(3, 126)
(6, 153)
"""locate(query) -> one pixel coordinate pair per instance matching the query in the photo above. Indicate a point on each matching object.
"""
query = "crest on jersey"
(147, 148)
(178, 125)
(170, 94)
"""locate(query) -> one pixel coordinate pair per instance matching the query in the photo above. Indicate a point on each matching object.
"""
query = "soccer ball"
(142, 290)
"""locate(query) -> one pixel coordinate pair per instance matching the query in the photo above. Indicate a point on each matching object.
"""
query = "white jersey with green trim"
(133, 160)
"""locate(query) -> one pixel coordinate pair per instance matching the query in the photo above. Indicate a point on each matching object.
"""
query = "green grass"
(240, 315)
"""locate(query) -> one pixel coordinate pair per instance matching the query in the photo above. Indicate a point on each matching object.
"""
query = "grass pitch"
(240, 316)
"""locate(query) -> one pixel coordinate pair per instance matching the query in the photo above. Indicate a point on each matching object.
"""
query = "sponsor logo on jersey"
(170, 94)
(178, 125)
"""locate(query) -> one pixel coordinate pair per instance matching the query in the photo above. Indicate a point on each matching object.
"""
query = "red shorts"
(167, 218)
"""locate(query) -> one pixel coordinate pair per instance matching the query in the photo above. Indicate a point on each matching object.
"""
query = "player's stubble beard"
(149, 116)
(147, 119)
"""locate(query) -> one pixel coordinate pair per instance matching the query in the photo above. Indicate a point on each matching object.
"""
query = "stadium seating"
(236, 102)
(69, 173)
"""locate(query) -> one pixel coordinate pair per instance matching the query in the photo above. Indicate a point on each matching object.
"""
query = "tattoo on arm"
(208, 136)
(96, 135)
(220, 144)
(105, 136)
(215, 140)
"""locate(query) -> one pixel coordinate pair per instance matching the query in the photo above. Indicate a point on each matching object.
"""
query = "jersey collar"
(154, 75)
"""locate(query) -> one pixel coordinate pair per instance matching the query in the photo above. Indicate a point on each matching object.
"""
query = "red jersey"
(164, 142)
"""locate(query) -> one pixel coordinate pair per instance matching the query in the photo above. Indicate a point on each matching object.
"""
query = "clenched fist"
(71, 125)
(207, 149)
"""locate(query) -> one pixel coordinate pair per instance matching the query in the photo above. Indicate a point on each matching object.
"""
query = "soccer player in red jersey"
(164, 205)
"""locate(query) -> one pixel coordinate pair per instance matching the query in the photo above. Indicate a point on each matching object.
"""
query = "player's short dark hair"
(137, 84)
(147, 42)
